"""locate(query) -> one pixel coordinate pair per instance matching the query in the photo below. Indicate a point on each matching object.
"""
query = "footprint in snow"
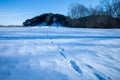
(63, 55)
(96, 74)
(76, 67)
(89, 66)
(51, 42)
(61, 51)
(99, 76)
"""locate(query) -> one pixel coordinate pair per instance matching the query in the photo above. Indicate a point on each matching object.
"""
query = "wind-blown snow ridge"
(59, 53)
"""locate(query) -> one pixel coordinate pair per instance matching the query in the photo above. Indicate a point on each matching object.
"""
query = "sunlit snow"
(35, 53)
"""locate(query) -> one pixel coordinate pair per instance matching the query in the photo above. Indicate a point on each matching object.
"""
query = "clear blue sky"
(17, 11)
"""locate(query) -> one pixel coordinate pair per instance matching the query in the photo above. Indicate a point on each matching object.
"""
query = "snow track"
(59, 53)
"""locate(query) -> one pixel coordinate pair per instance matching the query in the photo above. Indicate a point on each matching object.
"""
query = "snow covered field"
(59, 54)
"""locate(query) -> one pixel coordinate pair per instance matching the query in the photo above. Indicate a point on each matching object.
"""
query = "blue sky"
(15, 12)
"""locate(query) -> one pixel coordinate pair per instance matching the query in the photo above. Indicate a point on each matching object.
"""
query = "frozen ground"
(59, 54)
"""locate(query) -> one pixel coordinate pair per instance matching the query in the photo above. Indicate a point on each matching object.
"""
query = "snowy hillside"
(35, 53)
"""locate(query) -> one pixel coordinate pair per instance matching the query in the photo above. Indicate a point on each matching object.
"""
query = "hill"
(91, 21)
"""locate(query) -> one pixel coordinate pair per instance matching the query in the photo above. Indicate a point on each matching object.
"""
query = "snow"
(34, 53)
(42, 24)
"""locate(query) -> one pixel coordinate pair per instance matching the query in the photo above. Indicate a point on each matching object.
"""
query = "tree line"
(105, 15)
(106, 8)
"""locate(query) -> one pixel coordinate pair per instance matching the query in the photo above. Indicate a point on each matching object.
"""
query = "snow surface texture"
(59, 54)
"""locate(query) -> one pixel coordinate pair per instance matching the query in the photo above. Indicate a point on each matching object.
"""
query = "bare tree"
(106, 7)
(116, 8)
(112, 7)
(77, 11)
(92, 11)
(72, 11)
(107, 4)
